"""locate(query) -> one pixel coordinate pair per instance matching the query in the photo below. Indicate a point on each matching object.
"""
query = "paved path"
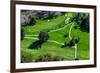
(31, 38)
(70, 30)
(60, 28)
(31, 35)
(47, 41)
(55, 42)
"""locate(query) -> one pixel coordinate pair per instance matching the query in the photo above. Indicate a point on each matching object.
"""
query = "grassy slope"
(42, 25)
(53, 48)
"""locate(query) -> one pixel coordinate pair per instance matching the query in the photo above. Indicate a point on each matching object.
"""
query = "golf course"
(60, 28)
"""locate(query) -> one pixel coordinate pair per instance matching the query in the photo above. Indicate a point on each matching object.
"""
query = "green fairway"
(56, 33)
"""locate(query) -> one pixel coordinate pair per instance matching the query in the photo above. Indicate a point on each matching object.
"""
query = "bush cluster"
(26, 56)
(48, 57)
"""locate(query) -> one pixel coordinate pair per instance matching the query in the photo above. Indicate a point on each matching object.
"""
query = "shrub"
(75, 27)
(48, 57)
(43, 36)
(26, 56)
(22, 34)
(66, 35)
(32, 22)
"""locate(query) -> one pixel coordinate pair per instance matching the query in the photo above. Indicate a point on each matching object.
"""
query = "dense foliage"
(22, 34)
(48, 57)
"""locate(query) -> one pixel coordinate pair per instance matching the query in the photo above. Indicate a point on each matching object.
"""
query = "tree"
(43, 36)
(71, 43)
(32, 21)
(83, 20)
(85, 24)
(22, 34)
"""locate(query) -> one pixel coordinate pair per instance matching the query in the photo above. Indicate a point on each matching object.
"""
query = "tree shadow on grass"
(35, 45)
